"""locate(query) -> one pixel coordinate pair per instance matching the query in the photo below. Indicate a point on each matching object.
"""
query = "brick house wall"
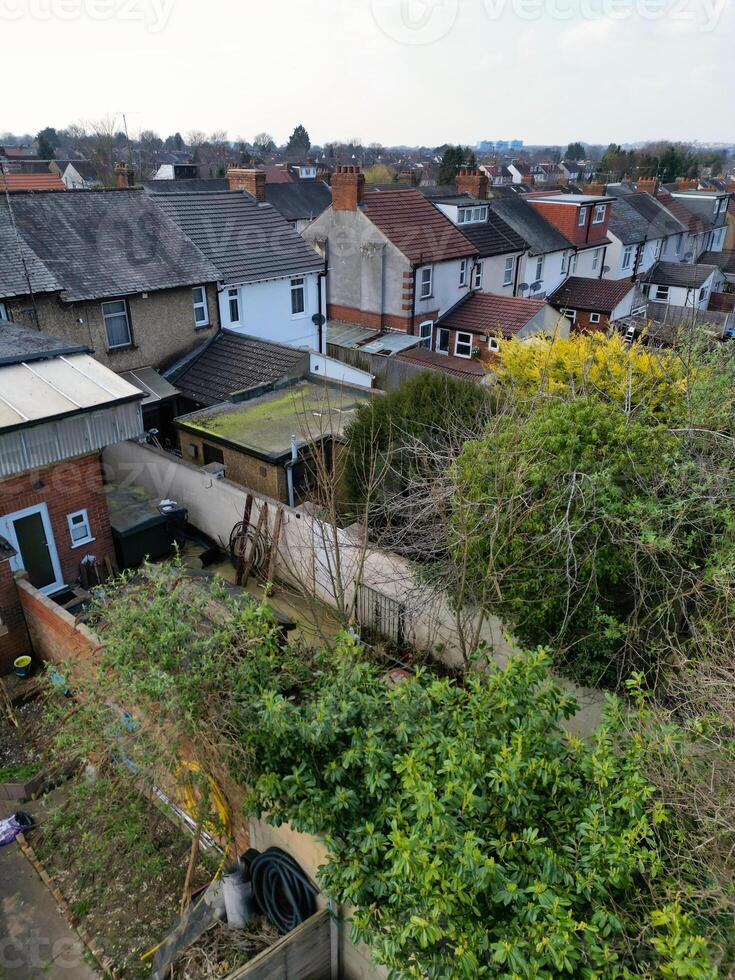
(162, 326)
(256, 474)
(565, 218)
(66, 487)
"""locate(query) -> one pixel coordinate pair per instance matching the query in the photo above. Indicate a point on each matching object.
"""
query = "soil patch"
(22, 749)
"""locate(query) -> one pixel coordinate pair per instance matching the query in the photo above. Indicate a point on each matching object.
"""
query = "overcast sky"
(388, 71)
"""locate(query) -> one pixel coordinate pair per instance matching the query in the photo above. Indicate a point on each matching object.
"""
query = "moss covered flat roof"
(263, 426)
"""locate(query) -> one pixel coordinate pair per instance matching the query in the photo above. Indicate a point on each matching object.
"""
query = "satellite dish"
(319, 319)
(535, 286)
(523, 286)
(689, 255)
(606, 268)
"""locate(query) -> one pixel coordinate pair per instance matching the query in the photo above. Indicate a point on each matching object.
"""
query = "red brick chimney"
(473, 182)
(348, 188)
(252, 181)
(123, 175)
(595, 189)
(649, 184)
(686, 184)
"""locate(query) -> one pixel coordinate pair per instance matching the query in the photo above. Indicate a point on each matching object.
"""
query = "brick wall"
(256, 474)
(565, 217)
(378, 321)
(14, 641)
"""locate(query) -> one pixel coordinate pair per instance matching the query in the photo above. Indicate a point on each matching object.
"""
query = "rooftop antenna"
(19, 243)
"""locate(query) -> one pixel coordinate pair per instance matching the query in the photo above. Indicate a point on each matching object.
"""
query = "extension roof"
(465, 368)
(231, 362)
(25, 181)
(723, 260)
(679, 274)
(303, 200)
(682, 213)
(98, 244)
(595, 295)
(494, 236)
(490, 313)
(416, 227)
(539, 234)
(186, 185)
(627, 223)
(660, 220)
(244, 240)
(19, 344)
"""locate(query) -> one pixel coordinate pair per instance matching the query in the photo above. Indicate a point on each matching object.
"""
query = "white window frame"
(582, 217)
(110, 315)
(493, 345)
(596, 259)
(599, 215)
(571, 315)
(426, 282)
(470, 343)
(703, 293)
(438, 348)
(661, 289)
(201, 305)
(658, 249)
(463, 272)
(595, 317)
(477, 276)
(298, 286)
(508, 270)
(627, 257)
(426, 335)
(573, 263)
(564, 261)
(233, 296)
(539, 277)
(84, 523)
(4, 316)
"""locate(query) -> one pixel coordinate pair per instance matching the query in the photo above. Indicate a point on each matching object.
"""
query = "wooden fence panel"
(305, 953)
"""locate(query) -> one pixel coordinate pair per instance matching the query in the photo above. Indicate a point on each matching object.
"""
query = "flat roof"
(348, 335)
(574, 198)
(154, 387)
(263, 426)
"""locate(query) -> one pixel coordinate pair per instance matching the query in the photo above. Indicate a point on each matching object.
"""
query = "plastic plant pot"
(22, 666)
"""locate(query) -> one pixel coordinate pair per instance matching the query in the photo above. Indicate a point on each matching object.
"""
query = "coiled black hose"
(282, 890)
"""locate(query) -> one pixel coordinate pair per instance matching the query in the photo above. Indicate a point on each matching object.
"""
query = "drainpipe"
(289, 471)
(412, 328)
(320, 315)
(516, 274)
(602, 264)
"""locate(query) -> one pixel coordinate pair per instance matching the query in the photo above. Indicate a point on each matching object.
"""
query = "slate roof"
(682, 213)
(232, 362)
(245, 241)
(465, 368)
(19, 344)
(14, 252)
(494, 236)
(679, 274)
(702, 205)
(98, 244)
(723, 260)
(304, 200)
(539, 234)
(488, 313)
(661, 221)
(31, 182)
(627, 223)
(416, 227)
(596, 295)
(186, 185)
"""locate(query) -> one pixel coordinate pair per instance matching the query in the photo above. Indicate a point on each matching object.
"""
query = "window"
(467, 216)
(594, 317)
(596, 259)
(298, 298)
(582, 217)
(493, 344)
(661, 293)
(599, 216)
(463, 272)
(628, 257)
(573, 264)
(564, 261)
(79, 529)
(427, 282)
(463, 344)
(426, 330)
(571, 315)
(233, 300)
(201, 311)
(117, 324)
(703, 293)
(212, 454)
(508, 271)
(659, 247)
(4, 312)
(539, 269)
(442, 341)
(477, 276)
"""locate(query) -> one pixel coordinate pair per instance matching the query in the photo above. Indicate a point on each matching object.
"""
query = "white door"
(29, 532)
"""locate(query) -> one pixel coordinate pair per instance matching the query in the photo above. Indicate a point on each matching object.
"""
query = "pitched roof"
(627, 223)
(679, 274)
(723, 260)
(246, 241)
(488, 313)
(416, 227)
(661, 221)
(597, 295)
(681, 212)
(186, 185)
(32, 182)
(19, 344)
(494, 236)
(465, 368)
(98, 244)
(538, 233)
(85, 169)
(303, 200)
(18, 261)
(232, 362)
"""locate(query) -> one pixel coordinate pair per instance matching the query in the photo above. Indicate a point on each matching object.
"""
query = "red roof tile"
(32, 182)
(466, 368)
(681, 211)
(487, 312)
(595, 295)
(416, 227)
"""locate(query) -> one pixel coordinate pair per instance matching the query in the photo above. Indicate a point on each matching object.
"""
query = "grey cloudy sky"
(391, 71)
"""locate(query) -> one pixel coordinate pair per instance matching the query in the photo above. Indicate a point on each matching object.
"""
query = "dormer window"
(582, 217)
(599, 217)
(472, 216)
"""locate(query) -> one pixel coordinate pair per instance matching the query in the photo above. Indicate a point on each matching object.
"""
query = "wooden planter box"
(305, 953)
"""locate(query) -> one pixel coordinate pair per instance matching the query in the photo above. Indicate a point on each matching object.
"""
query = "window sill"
(80, 544)
(202, 326)
(429, 296)
(122, 349)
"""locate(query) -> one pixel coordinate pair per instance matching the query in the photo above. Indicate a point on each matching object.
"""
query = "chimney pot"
(473, 182)
(348, 189)
(252, 181)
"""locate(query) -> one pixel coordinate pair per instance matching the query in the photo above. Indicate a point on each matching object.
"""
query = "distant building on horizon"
(487, 146)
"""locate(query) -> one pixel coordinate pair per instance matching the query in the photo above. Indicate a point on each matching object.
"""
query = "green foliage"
(48, 141)
(429, 407)
(299, 142)
(19, 773)
(575, 151)
(453, 158)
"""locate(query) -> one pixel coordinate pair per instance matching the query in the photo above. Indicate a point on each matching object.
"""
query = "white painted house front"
(279, 310)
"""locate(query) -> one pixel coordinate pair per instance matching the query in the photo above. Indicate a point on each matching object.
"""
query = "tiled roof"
(723, 260)
(416, 227)
(494, 236)
(246, 241)
(17, 261)
(19, 344)
(628, 224)
(660, 220)
(231, 362)
(31, 182)
(465, 368)
(681, 212)
(597, 295)
(277, 175)
(302, 200)
(488, 313)
(539, 234)
(186, 185)
(679, 274)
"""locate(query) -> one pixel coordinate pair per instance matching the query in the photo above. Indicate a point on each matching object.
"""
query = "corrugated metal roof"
(391, 343)
(149, 381)
(348, 335)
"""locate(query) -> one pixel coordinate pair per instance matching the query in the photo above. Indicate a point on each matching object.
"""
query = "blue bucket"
(22, 666)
